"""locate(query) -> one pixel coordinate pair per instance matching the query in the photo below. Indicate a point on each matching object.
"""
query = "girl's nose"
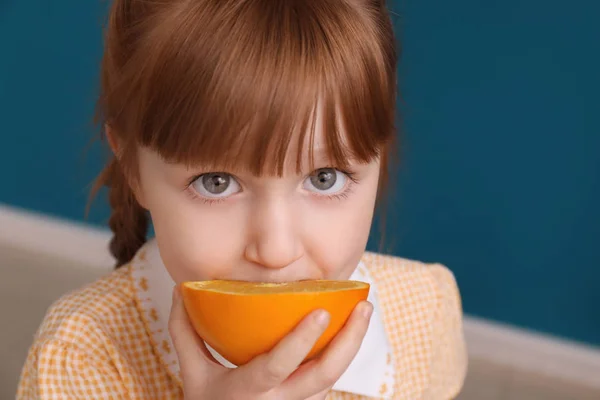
(274, 241)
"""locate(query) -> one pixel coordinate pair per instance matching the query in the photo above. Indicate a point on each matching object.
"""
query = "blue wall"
(500, 177)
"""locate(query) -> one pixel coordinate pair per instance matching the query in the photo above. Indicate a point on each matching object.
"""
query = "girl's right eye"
(216, 185)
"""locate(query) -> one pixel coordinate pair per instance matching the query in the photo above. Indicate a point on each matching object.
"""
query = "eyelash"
(337, 196)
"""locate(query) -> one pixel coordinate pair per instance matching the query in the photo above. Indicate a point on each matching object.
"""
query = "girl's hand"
(274, 375)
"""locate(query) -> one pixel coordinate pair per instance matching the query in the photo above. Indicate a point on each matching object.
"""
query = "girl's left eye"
(326, 181)
(216, 185)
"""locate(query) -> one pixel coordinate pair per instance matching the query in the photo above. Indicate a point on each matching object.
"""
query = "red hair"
(230, 83)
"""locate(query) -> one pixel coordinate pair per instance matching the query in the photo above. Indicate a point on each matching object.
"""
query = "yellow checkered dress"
(95, 344)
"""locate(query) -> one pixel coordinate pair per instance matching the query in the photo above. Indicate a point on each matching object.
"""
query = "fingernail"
(367, 310)
(322, 318)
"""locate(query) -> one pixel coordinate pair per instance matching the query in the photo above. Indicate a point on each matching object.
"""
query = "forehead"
(274, 137)
(312, 148)
(278, 153)
(303, 153)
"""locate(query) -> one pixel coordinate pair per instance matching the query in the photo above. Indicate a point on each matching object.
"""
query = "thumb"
(191, 351)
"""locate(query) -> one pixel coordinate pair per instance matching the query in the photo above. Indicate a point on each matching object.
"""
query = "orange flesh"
(262, 288)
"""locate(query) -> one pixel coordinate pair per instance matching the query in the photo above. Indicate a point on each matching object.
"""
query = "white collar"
(370, 374)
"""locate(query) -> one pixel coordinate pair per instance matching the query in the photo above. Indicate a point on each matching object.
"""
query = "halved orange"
(241, 320)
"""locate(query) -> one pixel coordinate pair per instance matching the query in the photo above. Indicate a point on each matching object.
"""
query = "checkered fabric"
(95, 344)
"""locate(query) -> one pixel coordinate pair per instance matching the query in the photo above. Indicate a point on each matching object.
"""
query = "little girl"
(254, 136)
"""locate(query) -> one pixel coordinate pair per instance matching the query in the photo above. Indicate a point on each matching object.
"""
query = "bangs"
(238, 84)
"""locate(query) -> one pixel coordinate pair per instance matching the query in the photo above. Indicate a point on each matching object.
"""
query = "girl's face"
(212, 224)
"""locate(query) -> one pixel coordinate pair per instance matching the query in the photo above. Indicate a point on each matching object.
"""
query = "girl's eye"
(216, 185)
(326, 181)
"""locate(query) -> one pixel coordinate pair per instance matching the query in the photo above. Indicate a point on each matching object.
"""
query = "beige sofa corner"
(29, 283)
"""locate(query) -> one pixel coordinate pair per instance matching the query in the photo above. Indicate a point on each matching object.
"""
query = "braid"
(128, 221)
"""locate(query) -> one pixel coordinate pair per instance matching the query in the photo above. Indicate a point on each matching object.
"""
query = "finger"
(190, 349)
(320, 396)
(322, 373)
(268, 370)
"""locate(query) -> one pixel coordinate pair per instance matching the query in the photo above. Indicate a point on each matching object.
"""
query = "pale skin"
(269, 229)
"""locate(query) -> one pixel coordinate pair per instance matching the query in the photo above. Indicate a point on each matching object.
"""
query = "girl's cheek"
(206, 248)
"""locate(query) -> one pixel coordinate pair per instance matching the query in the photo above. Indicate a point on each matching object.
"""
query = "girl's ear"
(115, 146)
(112, 140)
